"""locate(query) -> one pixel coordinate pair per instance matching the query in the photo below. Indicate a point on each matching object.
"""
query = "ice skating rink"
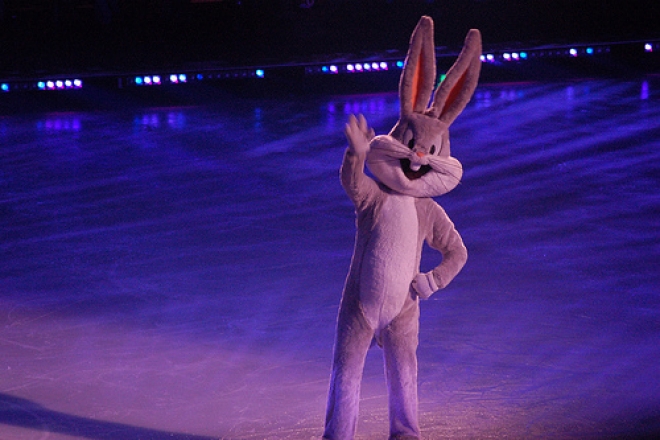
(174, 272)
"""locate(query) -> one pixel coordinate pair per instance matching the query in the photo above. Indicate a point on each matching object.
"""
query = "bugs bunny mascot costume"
(395, 215)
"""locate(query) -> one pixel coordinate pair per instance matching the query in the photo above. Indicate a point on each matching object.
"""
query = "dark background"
(61, 36)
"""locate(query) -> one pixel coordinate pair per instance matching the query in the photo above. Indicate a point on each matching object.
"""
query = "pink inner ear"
(454, 93)
(417, 80)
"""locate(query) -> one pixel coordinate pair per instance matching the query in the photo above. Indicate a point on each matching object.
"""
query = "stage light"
(68, 83)
(589, 50)
(147, 80)
(515, 56)
(573, 52)
(366, 66)
(41, 85)
(375, 66)
(648, 47)
(358, 67)
(183, 78)
(350, 68)
(333, 69)
(523, 55)
(174, 79)
(138, 80)
(383, 65)
(50, 85)
(490, 57)
(506, 56)
(156, 79)
(260, 73)
(399, 64)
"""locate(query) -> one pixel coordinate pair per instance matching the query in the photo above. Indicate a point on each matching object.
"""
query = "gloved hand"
(425, 285)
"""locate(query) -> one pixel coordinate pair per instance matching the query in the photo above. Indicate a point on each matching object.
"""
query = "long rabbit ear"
(418, 77)
(456, 90)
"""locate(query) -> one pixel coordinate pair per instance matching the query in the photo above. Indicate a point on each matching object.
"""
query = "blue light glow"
(138, 80)
(41, 85)
(399, 64)
(523, 55)
(183, 78)
(590, 50)
(260, 73)
(4, 87)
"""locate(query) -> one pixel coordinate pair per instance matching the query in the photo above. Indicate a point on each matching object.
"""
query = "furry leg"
(352, 342)
(400, 340)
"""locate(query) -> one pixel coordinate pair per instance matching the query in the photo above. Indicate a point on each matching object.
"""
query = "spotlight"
(648, 47)
(375, 66)
(506, 56)
(147, 80)
(515, 56)
(573, 52)
(260, 73)
(490, 57)
(41, 85)
(174, 79)
(383, 65)
(138, 80)
(156, 79)
(183, 78)
(399, 64)
(50, 85)
(358, 67)
(590, 51)
(350, 68)
(523, 55)
(4, 87)
(333, 69)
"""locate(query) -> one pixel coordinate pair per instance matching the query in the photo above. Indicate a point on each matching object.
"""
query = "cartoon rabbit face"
(415, 158)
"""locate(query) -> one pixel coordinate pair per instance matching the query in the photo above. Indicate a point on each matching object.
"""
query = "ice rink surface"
(175, 272)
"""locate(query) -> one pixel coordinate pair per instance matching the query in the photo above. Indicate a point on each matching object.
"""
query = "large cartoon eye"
(432, 149)
(411, 143)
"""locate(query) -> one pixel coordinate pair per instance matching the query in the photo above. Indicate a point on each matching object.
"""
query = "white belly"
(389, 261)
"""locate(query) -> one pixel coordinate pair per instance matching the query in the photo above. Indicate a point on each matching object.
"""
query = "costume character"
(395, 216)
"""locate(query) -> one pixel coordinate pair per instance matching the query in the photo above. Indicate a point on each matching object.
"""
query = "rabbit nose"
(419, 154)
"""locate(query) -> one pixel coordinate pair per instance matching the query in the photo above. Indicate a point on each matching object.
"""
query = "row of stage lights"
(492, 57)
(330, 69)
(183, 78)
(573, 52)
(46, 84)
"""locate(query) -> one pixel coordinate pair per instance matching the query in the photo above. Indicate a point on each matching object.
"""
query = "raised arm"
(357, 185)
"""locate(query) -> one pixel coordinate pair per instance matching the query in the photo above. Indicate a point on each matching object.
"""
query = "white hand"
(425, 285)
(358, 134)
